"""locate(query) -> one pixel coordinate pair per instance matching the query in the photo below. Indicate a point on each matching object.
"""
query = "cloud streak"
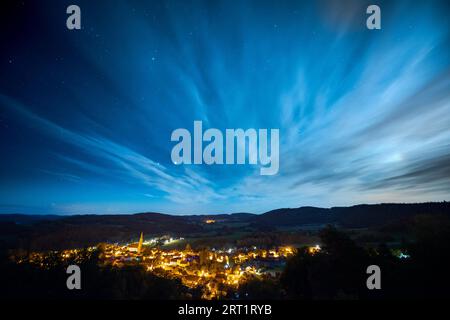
(364, 116)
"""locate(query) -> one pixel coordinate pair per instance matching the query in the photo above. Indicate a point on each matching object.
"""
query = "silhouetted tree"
(260, 289)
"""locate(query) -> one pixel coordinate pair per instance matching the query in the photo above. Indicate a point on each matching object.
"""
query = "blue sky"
(86, 116)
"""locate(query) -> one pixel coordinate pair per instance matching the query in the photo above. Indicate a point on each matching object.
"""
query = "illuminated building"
(141, 240)
(313, 250)
(137, 247)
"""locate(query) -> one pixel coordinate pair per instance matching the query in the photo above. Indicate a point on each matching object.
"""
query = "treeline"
(338, 271)
(358, 216)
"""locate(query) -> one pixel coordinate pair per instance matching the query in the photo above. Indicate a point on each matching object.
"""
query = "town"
(215, 271)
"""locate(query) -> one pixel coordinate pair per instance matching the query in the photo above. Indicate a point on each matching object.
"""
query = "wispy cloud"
(364, 116)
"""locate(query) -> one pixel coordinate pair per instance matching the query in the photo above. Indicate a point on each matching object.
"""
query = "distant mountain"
(358, 216)
(51, 232)
(296, 216)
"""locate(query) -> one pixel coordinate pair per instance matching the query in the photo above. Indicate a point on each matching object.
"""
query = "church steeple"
(141, 240)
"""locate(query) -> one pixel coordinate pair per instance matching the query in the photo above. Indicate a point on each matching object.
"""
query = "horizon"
(87, 115)
(229, 213)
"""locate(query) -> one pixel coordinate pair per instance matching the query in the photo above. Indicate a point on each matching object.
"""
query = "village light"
(181, 264)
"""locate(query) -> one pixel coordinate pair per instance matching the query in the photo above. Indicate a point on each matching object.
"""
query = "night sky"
(86, 115)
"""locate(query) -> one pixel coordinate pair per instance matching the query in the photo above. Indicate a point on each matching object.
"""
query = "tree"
(260, 289)
(336, 271)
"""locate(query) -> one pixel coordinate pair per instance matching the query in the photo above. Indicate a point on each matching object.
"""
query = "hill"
(53, 232)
